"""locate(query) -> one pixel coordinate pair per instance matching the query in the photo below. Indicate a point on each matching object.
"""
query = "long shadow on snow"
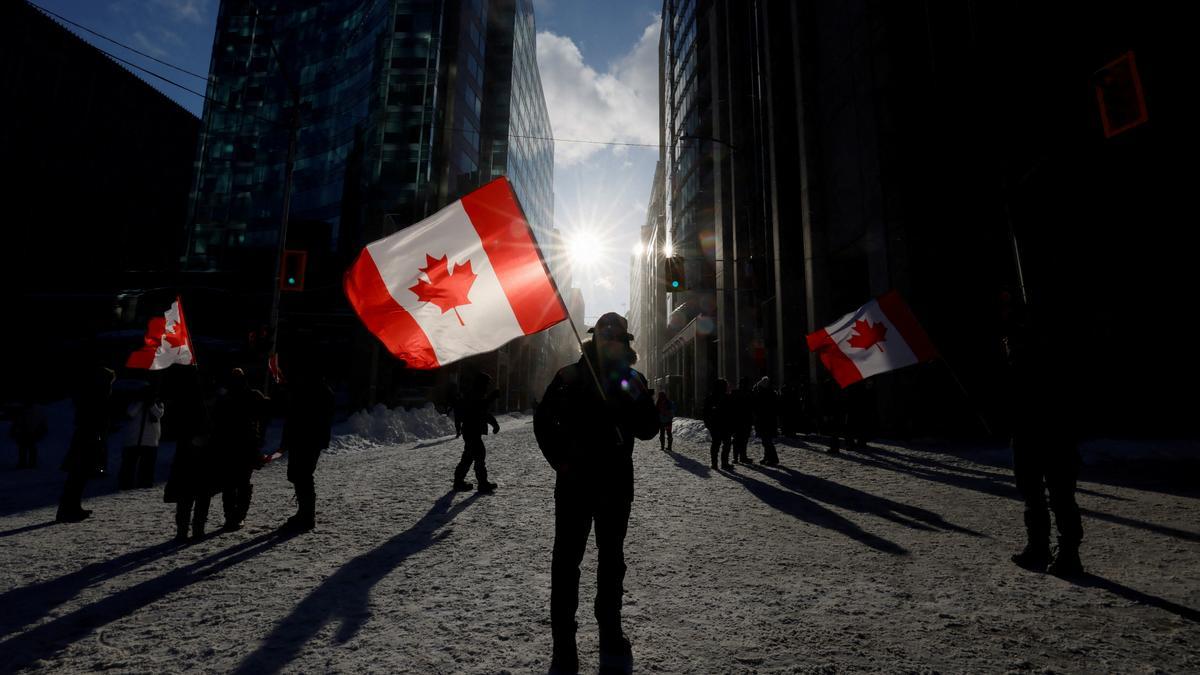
(852, 499)
(1093, 581)
(688, 464)
(998, 487)
(49, 638)
(27, 528)
(802, 508)
(25, 605)
(345, 595)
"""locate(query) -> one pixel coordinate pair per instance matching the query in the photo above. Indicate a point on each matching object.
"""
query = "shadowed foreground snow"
(891, 559)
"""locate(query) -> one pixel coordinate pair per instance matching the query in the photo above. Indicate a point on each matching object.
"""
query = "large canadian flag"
(167, 342)
(463, 281)
(881, 335)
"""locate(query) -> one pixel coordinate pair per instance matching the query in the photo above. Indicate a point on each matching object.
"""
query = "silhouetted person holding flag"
(471, 421)
(1045, 450)
(585, 427)
(194, 470)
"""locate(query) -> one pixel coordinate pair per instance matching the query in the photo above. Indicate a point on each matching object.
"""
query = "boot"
(1033, 557)
(485, 486)
(1066, 562)
(565, 660)
(615, 650)
(463, 486)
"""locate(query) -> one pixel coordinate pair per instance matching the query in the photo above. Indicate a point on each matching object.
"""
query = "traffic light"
(291, 273)
(675, 280)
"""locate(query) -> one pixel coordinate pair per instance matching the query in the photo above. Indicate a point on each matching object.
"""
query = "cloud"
(603, 282)
(184, 10)
(620, 104)
(147, 45)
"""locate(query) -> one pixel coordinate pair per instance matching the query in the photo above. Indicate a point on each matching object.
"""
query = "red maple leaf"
(175, 334)
(867, 335)
(446, 290)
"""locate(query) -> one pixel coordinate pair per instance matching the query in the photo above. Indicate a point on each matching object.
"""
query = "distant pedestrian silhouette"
(471, 421)
(88, 453)
(766, 406)
(741, 416)
(588, 438)
(238, 427)
(194, 475)
(306, 432)
(28, 429)
(717, 420)
(666, 420)
(142, 433)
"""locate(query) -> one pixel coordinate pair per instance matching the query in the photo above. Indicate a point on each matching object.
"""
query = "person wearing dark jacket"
(741, 420)
(88, 451)
(766, 406)
(193, 479)
(237, 440)
(306, 433)
(471, 421)
(585, 426)
(1045, 450)
(717, 421)
(142, 433)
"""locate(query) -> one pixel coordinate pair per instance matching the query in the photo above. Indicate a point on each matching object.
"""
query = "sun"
(585, 249)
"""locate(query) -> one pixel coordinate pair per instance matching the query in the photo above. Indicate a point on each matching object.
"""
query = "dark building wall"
(906, 146)
(97, 167)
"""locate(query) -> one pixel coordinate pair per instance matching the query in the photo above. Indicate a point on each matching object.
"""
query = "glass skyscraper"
(399, 107)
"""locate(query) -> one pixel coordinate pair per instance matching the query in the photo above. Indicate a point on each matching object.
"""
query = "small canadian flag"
(463, 281)
(881, 335)
(167, 342)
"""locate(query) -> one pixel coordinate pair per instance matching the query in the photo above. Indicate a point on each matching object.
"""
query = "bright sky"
(599, 64)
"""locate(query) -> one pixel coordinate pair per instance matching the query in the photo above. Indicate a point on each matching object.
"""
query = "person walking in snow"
(142, 433)
(585, 426)
(194, 475)
(1045, 451)
(87, 454)
(741, 415)
(306, 433)
(238, 428)
(717, 421)
(666, 419)
(471, 421)
(766, 405)
(28, 429)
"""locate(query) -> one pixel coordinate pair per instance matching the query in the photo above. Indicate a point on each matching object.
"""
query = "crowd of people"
(219, 442)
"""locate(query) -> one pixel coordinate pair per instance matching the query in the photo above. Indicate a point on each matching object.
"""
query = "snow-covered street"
(890, 559)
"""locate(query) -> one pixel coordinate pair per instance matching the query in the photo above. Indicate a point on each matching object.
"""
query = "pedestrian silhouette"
(717, 420)
(306, 433)
(741, 416)
(142, 434)
(1045, 450)
(194, 477)
(88, 452)
(666, 420)
(766, 406)
(585, 426)
(238, 427)
(28, 429)
(471, 421)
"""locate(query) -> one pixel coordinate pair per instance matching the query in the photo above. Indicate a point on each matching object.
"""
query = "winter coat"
(194, 469)
(716, 414)
(666, 411)
(88, 451)
(766, 406)
(238, 427)
(740, 412)
(145, 425)
(591, 436)
(306, 429)
(472, 418)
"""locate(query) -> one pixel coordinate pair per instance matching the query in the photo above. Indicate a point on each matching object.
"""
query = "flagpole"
(967, 396)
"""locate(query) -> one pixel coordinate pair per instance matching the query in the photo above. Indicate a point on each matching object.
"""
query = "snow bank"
(381, 426)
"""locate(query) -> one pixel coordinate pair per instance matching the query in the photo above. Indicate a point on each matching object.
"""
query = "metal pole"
(283, 228)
